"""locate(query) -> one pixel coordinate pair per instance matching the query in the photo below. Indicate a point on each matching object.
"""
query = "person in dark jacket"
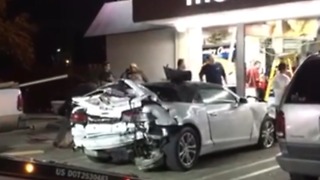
(106, 75)
(213, 71)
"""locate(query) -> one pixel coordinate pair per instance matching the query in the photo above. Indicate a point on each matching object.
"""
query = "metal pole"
(232, 44)
(44, 80)
(240, 63)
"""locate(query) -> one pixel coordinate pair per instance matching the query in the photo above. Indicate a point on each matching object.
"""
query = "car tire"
(302, 177)
(174, 148)
(267, 137)
(96, 158)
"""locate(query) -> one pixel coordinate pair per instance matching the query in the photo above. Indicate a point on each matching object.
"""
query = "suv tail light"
(280, 124)
(126, 178)
(79, 117)
(19, 102)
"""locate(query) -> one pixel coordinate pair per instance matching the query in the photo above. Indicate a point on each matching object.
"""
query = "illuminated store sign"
(199, 2)
(148, 10)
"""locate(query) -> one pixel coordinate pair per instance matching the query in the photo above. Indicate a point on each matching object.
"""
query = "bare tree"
(16, 36)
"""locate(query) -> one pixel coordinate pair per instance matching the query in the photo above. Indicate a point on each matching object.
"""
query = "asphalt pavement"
(240, 164)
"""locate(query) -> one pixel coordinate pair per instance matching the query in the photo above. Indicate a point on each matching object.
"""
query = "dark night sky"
(62, 24)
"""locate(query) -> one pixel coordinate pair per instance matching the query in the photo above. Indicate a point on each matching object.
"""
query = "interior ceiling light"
(219, 1)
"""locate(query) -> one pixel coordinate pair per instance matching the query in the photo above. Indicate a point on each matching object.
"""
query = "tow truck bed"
(30, 169)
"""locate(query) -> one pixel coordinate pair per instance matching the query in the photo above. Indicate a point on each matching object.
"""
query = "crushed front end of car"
(130, 125)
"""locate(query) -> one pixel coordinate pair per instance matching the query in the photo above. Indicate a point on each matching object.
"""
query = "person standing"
(253, 79)
(135, 74)
(280, 82)
(253, 75)
(213, 71)
(181, 65)
(106, 75)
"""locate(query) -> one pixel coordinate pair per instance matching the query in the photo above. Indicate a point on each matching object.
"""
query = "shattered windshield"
(117, 89)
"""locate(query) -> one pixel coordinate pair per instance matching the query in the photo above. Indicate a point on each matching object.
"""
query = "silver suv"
(298, 123)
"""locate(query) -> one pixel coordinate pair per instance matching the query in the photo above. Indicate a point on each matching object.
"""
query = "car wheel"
(302, 177)
(93, 156)
(267, 134)
(183, 149)
(97, 159)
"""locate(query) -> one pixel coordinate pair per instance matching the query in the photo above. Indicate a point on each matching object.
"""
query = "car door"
(224, 112)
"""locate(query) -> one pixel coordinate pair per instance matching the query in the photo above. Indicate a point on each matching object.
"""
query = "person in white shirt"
(281, 80)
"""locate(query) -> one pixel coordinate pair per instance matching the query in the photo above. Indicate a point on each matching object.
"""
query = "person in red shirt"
(255, 81)
(253, 75)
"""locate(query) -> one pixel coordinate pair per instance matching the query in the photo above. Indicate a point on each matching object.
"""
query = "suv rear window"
(170, 94)
(305, 85)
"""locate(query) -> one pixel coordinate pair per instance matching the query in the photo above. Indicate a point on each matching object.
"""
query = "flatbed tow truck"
(31, 169)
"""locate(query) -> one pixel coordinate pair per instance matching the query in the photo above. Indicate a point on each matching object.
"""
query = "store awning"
(116, 18)
(300, 9)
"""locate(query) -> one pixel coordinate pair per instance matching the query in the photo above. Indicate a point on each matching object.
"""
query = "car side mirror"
(235, 104)
(243, 100)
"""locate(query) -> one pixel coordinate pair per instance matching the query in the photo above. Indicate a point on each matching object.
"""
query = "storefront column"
(240, 60)
(189, 47)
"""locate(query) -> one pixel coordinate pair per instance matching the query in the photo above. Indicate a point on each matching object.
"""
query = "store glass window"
(269, 43)
(220, 43)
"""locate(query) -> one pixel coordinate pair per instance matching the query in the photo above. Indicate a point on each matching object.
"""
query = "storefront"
(236, 34)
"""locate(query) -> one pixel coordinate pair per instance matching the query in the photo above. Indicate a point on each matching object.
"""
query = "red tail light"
(19, 102)
(280, 125)
(79, 117)
(128, 115)
(127, 178)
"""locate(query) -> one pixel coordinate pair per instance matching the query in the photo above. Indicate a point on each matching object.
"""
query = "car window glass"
(305, 86)
(213, 95)
(168, 94)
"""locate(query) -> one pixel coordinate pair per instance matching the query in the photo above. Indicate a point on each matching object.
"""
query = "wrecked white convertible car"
(166, 123)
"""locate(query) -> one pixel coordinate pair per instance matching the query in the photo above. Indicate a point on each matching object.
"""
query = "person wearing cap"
(213, 71)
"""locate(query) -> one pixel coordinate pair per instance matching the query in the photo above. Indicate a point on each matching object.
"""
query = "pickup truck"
(11, 106)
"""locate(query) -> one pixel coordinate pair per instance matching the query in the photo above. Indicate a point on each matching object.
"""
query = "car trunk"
(105, 108)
